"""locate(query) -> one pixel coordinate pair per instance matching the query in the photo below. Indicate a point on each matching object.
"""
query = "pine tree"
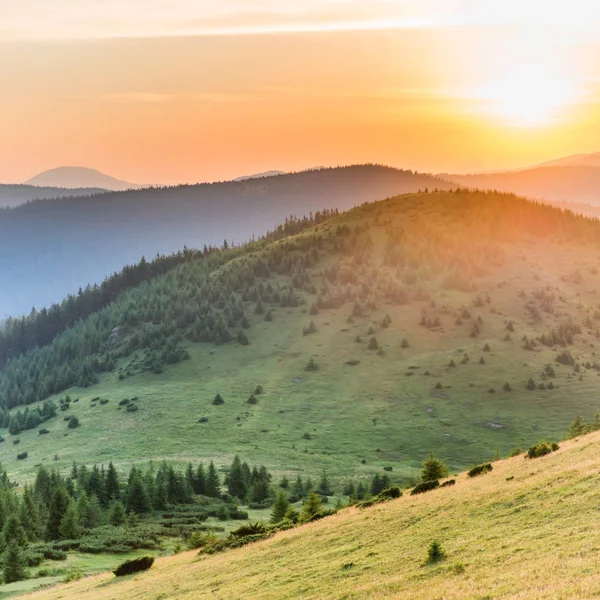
(29, 515)
(235, 480)
(117, 513)
(113, 491)
(13, 563)
(324, 487)
(213, 483)
(200, 480)
(280, 507)
(58, 507)
(312, 506)
(70, 528)
(138, 500)
(433, 468)
(13, 531)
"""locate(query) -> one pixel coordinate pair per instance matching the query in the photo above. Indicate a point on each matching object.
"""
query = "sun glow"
(529, 97)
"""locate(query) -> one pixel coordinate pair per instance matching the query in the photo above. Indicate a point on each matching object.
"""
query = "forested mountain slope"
(565, 183)
(465, 322)
(12, 195)
(49, 249)
(524, 530)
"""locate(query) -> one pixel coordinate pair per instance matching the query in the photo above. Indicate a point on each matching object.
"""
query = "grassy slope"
(533, 536)
(373, 411)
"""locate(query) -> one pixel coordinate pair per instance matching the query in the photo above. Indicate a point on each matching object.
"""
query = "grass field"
(385, 411)
(528, 529)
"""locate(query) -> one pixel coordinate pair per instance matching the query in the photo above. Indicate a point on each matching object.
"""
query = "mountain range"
(79, 177)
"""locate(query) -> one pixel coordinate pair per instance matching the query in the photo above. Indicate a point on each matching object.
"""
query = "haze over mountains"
(14, 194)
(79, 177)
(51, 248)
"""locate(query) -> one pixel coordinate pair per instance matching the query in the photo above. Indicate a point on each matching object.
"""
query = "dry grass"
(534, 536)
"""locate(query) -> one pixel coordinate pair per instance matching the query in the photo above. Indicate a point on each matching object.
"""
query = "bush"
(43, 431)
(259, 390)
(404, 343)
(480, 470)
(541, 449)
(311, 366)
(134, 566)
(435, 553)
(200, 539)
(373, 343)
(218, 400)
(249, 529)
(252, 399)
(448, 483)
(124, 402)
(203, 420)
(54, 554)
(104, 401)
(130, 408)
(425, 486)
(73, 423)
(531, 384)
(21, 455)
(390, 493)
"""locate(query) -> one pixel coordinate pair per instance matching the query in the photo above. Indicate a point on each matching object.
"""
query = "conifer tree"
(213, 483)
(13, 531)
(29, 515)
(280, 507)
(138, 500)
(117, 515)
(312, 506)
(70, 528)
(113, 491)
(433, 468)
(58, 507)
(13, 563)
(236, 484)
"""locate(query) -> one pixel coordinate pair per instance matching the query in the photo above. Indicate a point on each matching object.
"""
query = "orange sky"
(178, 91)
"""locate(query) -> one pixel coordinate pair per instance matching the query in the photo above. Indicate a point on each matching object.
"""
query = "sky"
(192, 90)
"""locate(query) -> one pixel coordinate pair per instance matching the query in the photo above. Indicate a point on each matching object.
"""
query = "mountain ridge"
(79, 177)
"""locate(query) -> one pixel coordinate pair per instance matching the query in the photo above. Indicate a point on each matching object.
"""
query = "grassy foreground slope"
(528, 529)
(489, 291)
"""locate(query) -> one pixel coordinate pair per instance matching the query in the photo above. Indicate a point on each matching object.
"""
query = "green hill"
(525, 530)
(434, 320)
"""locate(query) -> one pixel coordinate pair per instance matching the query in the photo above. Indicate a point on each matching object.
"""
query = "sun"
(528, 97)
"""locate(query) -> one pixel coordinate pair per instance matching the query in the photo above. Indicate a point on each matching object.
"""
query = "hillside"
(575, 160)
(80, 177)
(464, 322)
(525, 530)
(13, 195)
(49, 249)
(573, 183)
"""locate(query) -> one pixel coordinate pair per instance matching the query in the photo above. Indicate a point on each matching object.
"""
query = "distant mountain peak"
(79, 177)
(575, 160)
(260, 175)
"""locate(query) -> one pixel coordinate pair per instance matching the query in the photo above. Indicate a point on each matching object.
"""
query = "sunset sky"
(185, 90)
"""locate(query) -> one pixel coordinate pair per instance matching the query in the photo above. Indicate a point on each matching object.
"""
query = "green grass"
(524, 530)
(360, 418)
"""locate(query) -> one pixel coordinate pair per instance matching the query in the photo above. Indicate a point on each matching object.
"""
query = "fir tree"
(138, 500)
(213, 483)
(280, 507)
(13, 563)
(433, 468)
(113, 491)
(117, 515)
(312, 506)
(58, 507)
(70, 528)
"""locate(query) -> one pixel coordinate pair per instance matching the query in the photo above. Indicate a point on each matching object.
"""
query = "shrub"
(435, 553)
(531, 384)
(218, 400)
(480, 470)
(124, 402)
(54, 554)
(506, 387)
(311, 366)
(73, 422)
(433, 468)
(486, 348)
(310, 328)
(390, 493)
(72, 574)
(201, 539)
(448, 483)
(22, 455)
(249, 529)
(252, 399)
(134, 566)
(203, 420)
(43, 431)
(541, 449)
(388, 468)
(425, 486)
(259, 390)
(16, 442)
(104, 401)
(373, 344)
(404, 343)
(131, 408)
